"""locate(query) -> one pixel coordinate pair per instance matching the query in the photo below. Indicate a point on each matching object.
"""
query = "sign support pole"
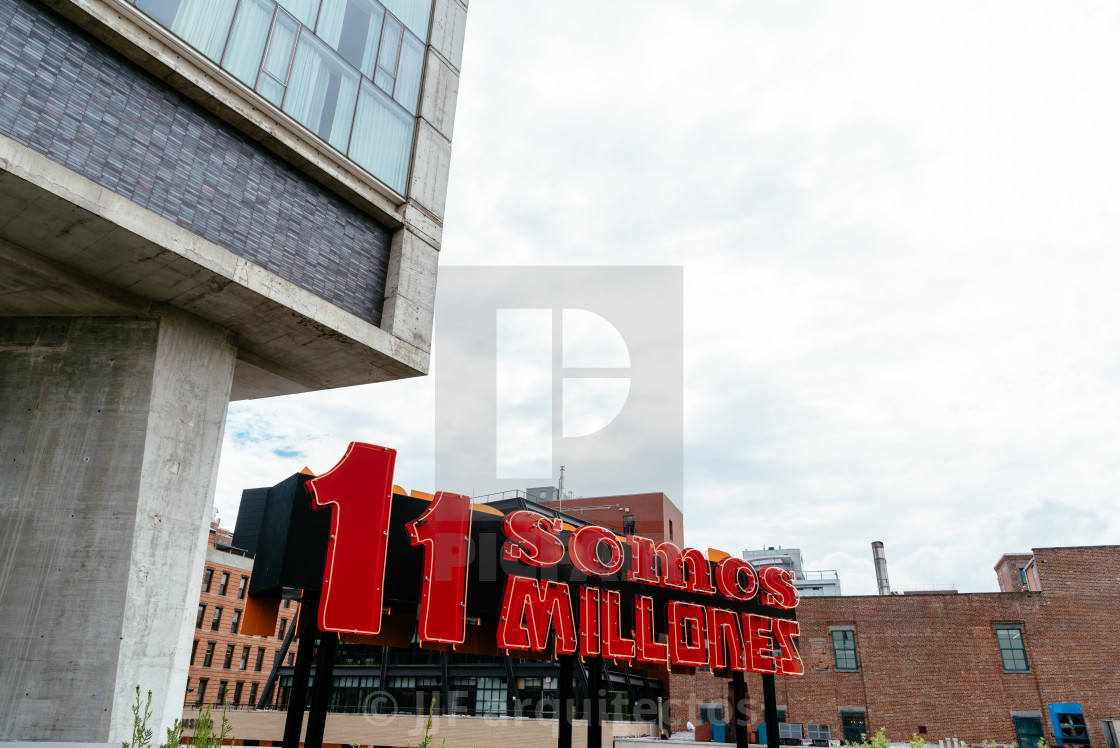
(770, 698)
(595, 703)
(308, 630)
(320, 697)
(741, 725)
(567, 702)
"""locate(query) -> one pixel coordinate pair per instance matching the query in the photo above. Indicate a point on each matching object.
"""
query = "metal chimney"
(880, 557)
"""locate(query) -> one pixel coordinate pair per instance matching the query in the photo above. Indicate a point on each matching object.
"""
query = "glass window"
(194, 650)
(383, 138)
(353, 27)
(241, 588)
(260, 659)
(237, 692)
(322, 91)
(1028, 730)
(291, 658)
(304, 10)
(1011, 649)
(206, 578)
(247, 39)
(390, 47)
(283, 628)
(229, 656)
(844, 649)
(217, 619)
(201, 695)
(201, 614)
(223, 691)
(253, 694)
(409, 70)
(278, 59)
(628, 524)
(236, 622)
(203, 24)
(244, 658)
(209, 657)
(414, 13)
(1023, 575)
(225, 583)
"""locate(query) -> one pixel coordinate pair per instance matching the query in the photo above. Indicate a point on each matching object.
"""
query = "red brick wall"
(933, 660)
(222, 638)
(1007, 571)
(653, 513)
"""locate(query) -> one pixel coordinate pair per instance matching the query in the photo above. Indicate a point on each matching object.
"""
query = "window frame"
(217, 621)
(208, 657)
(845, 632)
(224, 584)
(1009, 651)
(228, 661)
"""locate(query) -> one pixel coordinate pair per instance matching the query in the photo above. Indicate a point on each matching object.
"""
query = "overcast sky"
(898, 226)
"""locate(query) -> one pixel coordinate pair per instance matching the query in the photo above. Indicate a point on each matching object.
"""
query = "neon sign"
(537, 584)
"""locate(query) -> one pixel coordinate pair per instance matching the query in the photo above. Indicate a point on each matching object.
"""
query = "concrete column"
(110, 431)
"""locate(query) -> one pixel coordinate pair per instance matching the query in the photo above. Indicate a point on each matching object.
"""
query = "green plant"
(1041, 743)
(426, 742)
(204, 736)
(142, 734)
(916, 741)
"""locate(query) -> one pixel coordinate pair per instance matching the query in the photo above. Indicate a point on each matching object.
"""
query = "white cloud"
(899, 240)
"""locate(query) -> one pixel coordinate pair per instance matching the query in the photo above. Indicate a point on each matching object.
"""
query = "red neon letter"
(583, 548)
(777, 584)
(686, 634)
(445, 532)
(589, 643)
(724, 637)
(760, 647)
(615, 646)
(641, 560)
(361, 487)
(649, 649)
(669, 573)
(785, 631)
(532, 539)
(529, 609)
(736, 579)
(699, 577)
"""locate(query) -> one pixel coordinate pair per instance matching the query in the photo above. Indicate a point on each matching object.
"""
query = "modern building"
(812, 583)
(200, 200)
(1040, 658)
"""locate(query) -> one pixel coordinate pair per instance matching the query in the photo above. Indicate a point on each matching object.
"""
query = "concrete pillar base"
(110, 431)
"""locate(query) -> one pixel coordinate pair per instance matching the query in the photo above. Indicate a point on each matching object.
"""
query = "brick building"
(975, 667)
(224, 661)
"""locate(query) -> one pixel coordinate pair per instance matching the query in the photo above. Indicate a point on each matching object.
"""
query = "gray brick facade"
(73, 100)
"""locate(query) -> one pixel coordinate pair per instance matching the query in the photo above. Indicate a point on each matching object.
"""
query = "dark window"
(1023, 575)
(223, 691)
(844, 649)
(224, 584)
(209, 657)
(287, 603)
(206, 577)
(1028, 730)
(245, 657)
(217, 619)
(236, 622)
(283, 628)
(260, 658)
(628, 524)
(201, 613)
(194, 650)
(253, 694)
(670, 529)
(237, 692)
(201, 696)
(711, 712)
(855, 727)
(241, 588)
(229, 656)
(291, 658)
(1011, 649)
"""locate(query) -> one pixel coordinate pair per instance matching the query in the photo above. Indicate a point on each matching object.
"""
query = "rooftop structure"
(812, 583)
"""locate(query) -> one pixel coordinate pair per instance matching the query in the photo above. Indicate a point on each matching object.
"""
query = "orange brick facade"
(654, 514)
(931, 664)
(241, 663)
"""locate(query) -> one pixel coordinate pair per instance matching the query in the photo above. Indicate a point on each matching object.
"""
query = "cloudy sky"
(899, 234)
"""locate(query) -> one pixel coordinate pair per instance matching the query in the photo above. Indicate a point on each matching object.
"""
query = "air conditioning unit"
(1069, 724)
(820, 735)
